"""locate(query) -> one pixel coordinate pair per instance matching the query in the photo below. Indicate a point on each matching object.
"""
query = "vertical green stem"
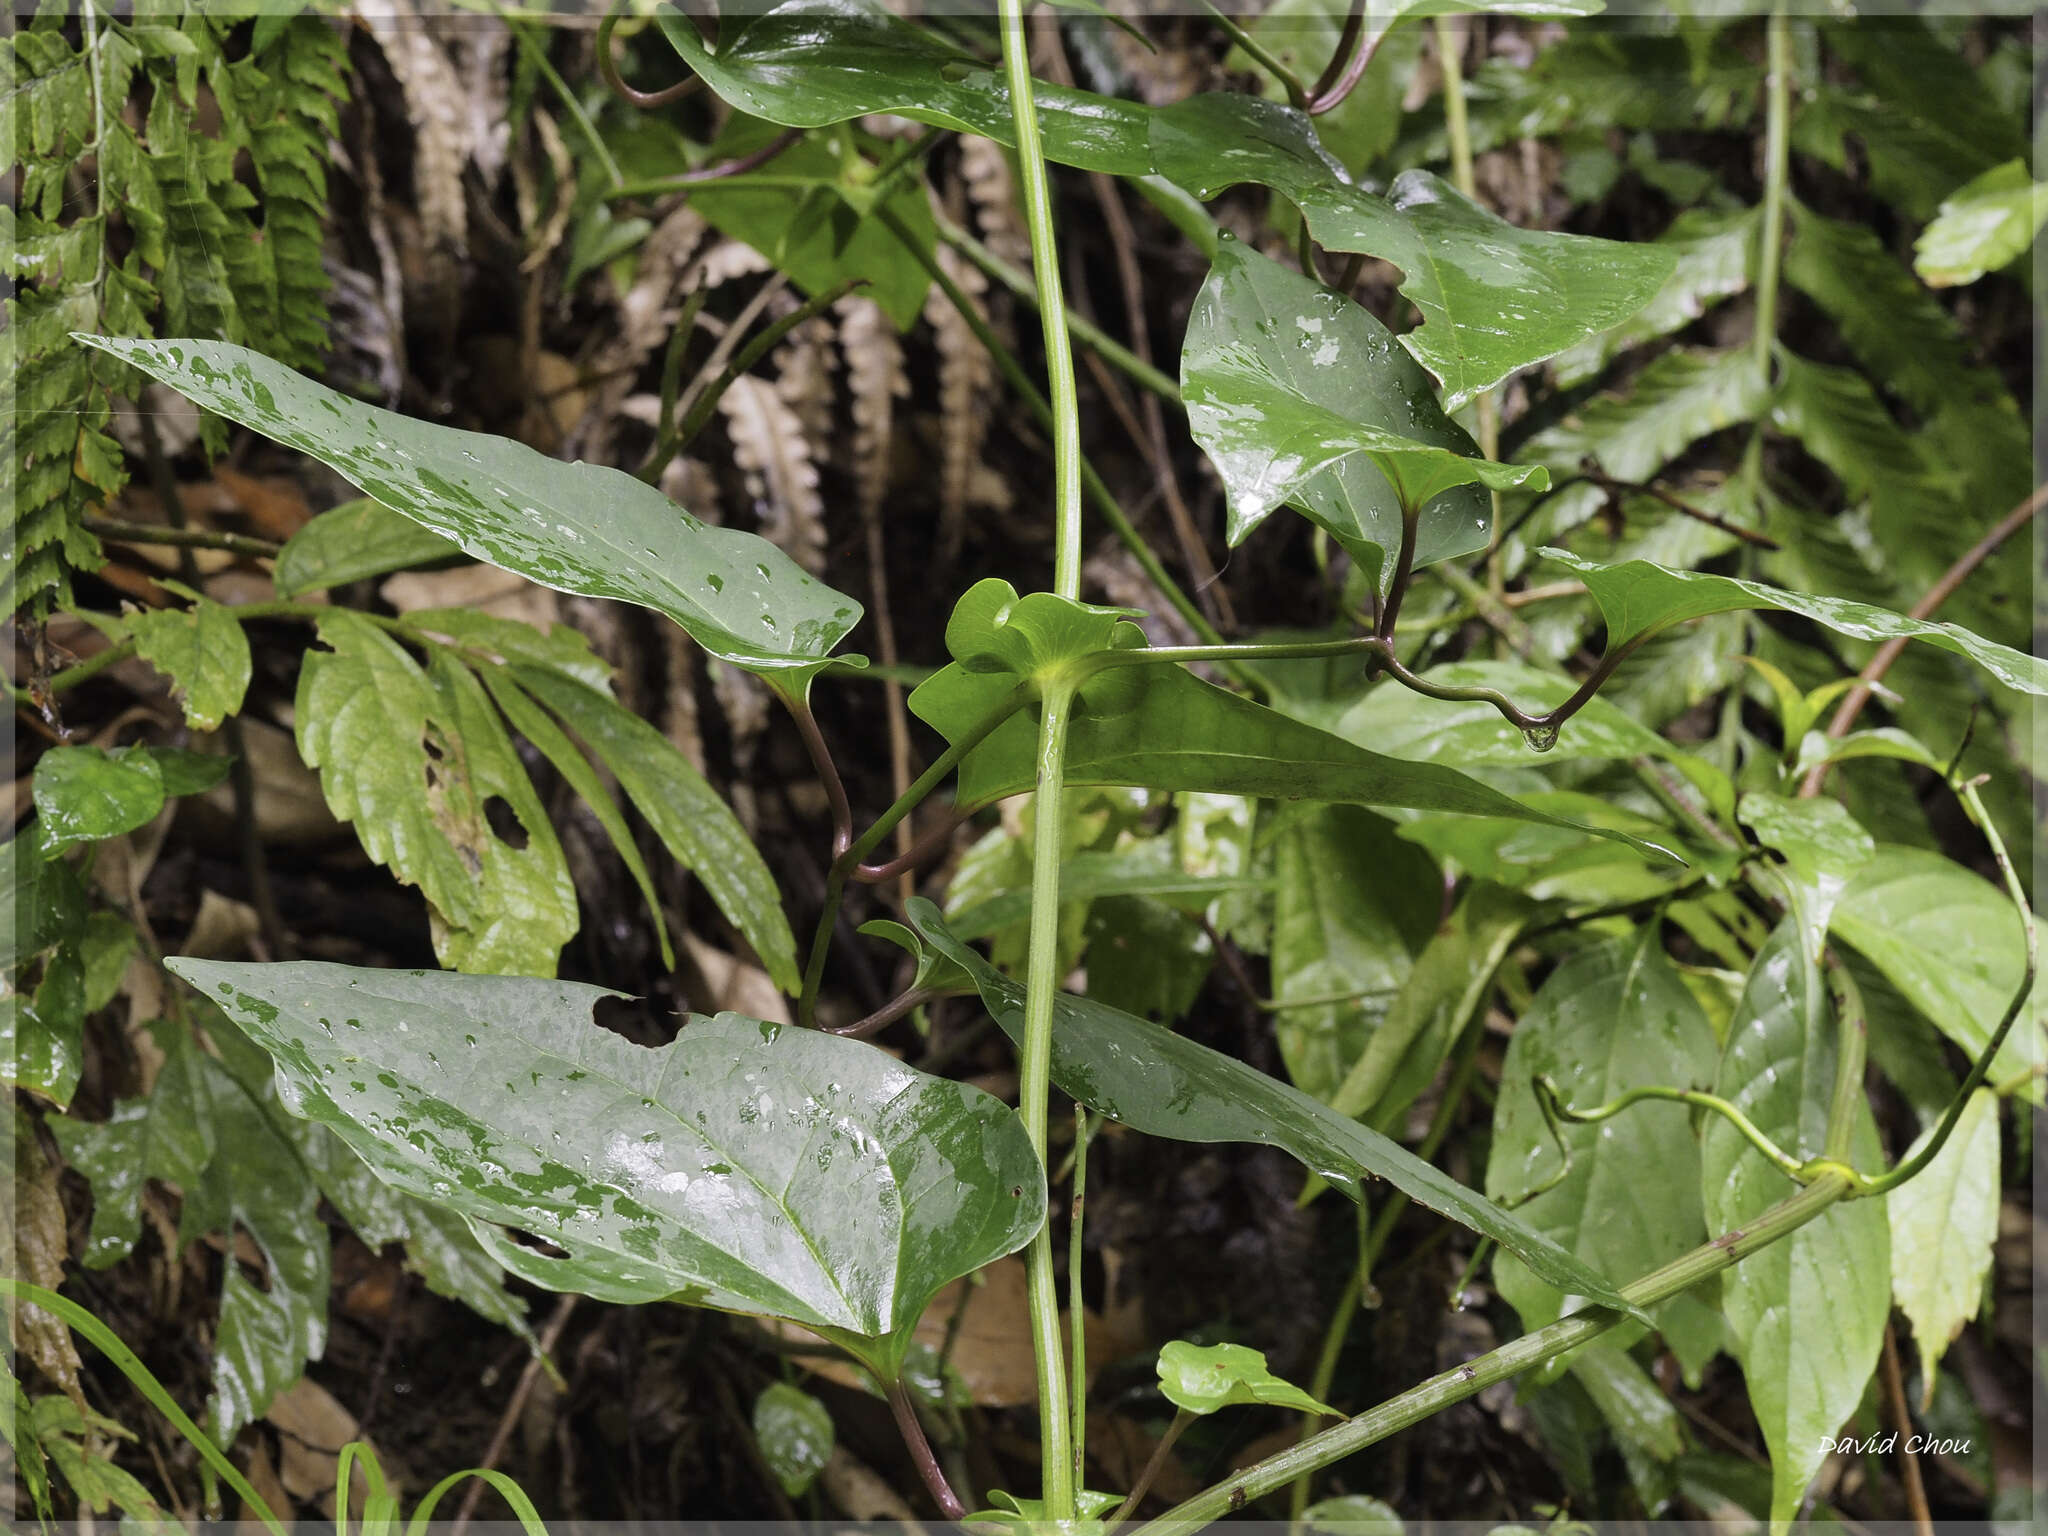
(1077, 1314)
(1034, 1088)
(1052, 306)
(1041, 978)
(1777, 160)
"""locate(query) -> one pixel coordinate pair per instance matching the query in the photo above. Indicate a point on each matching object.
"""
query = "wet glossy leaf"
(795, 1435)
(808, 219)
(204, 1132)
(580, 528)
(1944, 1221)
(745, 1166)
(1352, 904)
(1202, 1379)
(1159, 727)
(1638, 598)
(1716, 251)
(1950, 941)
(1493, 297)
(807, 63)
(414, 759)
(352, 542)
(1162, 1084)
(1613, 1017)
(83, 794)
(1822, 846)
(1299, 395)
(696, 827)
(201, 648)
(42, 1034)
(1806, 1315)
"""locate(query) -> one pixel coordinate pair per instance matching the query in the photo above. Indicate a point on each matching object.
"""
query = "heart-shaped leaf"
(1163, 1084)
(1198, 1380)
(581, 528)
(1493, 297)
(746, 1165)
(1298, 394)
(1638, 598)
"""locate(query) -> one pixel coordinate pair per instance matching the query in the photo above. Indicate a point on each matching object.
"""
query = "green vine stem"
(1510, 1360)
(1034, 1087)
(1041, 974)
(1777, 163)
(1077, 1314)
(1555, 1110)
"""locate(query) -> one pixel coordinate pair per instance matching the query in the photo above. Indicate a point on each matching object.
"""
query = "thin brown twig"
(1902, 1421)
(1873, 673)
(1591, 472)
(550, 1335)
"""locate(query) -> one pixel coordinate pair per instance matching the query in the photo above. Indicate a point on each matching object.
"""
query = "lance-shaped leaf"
(352, 542)
(1163, 1084)
(1200, 1380)
(581, 528)
(746, 1166)
(1806, 1315)
(1298, 394)
(1163, 728)
(696, 827)
(1638, 598)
